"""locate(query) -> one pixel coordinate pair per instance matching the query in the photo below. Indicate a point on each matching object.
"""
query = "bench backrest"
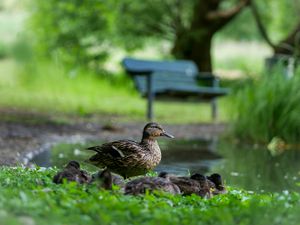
(165, 74)
(163, 81)
(143, 67)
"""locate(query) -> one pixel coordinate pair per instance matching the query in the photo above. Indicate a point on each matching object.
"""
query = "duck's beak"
(166, 134)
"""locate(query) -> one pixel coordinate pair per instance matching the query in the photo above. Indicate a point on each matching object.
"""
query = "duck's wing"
(116, 149)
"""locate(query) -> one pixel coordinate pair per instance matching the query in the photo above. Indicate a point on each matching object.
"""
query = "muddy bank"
(20, 141)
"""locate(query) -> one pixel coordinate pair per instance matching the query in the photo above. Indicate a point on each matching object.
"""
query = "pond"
(245, 167)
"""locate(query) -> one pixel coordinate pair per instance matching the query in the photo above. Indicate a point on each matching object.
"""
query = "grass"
(51, 88)
(28, 196)
(268, 108)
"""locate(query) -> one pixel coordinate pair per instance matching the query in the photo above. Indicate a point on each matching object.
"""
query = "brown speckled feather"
(190, 186)
(143, 184)
(127, 158)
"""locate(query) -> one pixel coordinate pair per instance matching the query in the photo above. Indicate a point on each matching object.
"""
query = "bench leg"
(150, 97)
(214, 110)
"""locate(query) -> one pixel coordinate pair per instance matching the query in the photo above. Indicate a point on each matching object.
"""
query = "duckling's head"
(152, 130)
(216, 179)
(105, 179)
(73, 164)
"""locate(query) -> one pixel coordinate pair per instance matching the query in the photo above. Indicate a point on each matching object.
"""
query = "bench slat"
(140, 67)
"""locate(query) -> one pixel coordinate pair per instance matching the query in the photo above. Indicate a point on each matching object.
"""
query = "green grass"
(51, 88)
(28, 195)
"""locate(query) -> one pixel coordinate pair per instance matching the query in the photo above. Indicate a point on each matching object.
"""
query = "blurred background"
(60, 61)
(52, 47)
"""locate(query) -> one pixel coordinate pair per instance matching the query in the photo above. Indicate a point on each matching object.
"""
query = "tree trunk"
(195, 49)
(195, 42)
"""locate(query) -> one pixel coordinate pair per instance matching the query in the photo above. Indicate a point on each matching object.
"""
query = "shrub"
(267, 108)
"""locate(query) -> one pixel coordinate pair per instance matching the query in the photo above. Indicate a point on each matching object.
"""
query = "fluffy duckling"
(143, 184)
(129, 158)
(107, 179)
(72, 172)
(218, 187)
(196, 184)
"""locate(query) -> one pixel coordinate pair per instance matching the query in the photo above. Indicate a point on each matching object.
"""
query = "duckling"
(108, 179)
(195, 184)
(129, 158)
(218, 187)
(143, 184)
(72, 172)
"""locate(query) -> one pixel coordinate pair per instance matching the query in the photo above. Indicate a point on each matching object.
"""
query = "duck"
(195, 184)
(141, 185)
(216, 184)
(72, 172)
(108, 179)
(130, 158)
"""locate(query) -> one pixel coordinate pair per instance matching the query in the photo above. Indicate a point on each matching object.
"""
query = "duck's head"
(73, 164)
(152, 130)
(216, 179)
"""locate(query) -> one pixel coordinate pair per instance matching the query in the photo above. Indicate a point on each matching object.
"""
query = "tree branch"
(227, 14)
(291, 44)
(260, 25)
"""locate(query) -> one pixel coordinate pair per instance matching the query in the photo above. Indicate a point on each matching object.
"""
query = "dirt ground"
(21, 138)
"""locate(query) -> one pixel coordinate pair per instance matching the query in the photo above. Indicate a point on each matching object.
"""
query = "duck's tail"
(95, 149)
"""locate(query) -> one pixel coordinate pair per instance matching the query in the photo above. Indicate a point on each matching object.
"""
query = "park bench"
(176, 79)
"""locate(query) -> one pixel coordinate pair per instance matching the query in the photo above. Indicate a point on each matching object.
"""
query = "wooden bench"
(178, 79)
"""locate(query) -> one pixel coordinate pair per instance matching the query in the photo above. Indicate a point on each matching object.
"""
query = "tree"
(83, 32)
(189, 25)
(290, 44)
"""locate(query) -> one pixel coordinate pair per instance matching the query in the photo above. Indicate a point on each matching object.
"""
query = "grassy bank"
(29, 197)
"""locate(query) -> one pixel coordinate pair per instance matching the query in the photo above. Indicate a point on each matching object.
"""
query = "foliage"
(268, 108)
(73, 30)
(56, 25)
(3, 51)
(28, 195)
(279, 17)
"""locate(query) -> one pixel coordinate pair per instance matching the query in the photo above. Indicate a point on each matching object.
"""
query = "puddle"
(248, 168)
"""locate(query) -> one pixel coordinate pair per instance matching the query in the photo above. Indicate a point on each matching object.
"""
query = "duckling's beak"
(166, 134)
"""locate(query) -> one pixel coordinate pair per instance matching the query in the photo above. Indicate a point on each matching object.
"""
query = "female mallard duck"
(72, 172)
(195, 184)
(217, 184)
(129, 158)
(143, 184)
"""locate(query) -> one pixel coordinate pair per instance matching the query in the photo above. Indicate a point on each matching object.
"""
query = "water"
(244, 167)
